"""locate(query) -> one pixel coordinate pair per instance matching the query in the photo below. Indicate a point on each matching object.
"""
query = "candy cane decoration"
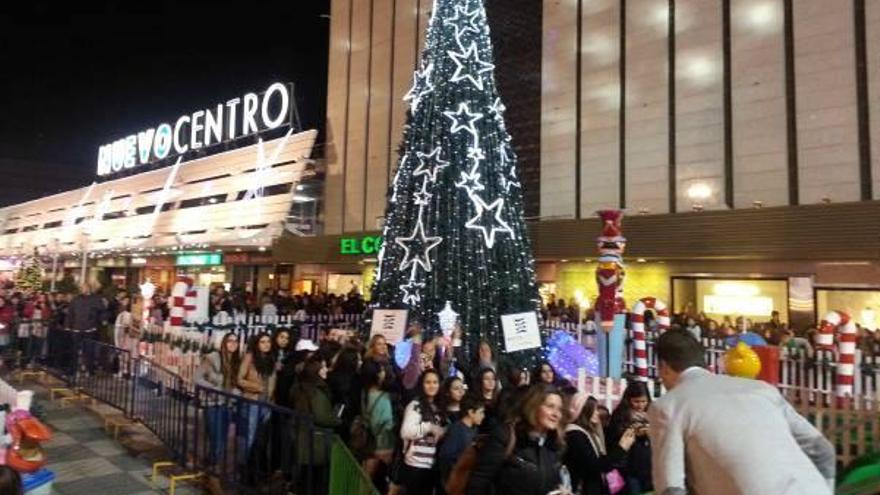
(177, 312)
(638, 326)
(842, 324)
(189, 304)
(179, 293)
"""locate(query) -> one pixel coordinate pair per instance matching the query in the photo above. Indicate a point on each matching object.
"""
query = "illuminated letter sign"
(199, 259)
(365, 245)
(250, 114)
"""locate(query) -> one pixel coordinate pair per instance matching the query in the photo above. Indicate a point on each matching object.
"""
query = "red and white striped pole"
(638, 326)
(843, 325)
(177, 312)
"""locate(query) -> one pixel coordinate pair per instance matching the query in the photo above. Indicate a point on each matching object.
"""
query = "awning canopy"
(238, 198)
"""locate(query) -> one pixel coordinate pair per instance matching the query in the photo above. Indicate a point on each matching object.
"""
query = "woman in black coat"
(345, 388)
(523, 457)
(586, 456)
(632, 413)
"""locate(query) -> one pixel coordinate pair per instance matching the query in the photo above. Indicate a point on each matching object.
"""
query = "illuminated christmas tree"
(30, 273)
(454, 223)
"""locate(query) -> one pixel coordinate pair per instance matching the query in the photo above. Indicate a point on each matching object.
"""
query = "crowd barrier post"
(105, 374)
(249, 444)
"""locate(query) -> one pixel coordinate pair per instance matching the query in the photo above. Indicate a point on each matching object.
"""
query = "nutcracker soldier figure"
(610, 308)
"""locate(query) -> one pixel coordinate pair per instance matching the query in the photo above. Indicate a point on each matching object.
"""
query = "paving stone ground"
(87, 460)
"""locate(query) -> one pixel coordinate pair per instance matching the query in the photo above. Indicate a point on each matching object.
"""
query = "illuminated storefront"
(862, 303)
(753, 298)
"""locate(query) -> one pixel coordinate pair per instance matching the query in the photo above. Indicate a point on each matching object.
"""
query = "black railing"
(248, 445)
(164, 403)
(104, 373)
(255, 445)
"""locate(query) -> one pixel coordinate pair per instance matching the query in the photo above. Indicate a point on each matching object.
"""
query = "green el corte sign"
(369, 244)
(199, 259)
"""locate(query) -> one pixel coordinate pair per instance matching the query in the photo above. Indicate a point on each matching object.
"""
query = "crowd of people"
(414, 426)
(279, 302)
(440, 422)
(31, 313)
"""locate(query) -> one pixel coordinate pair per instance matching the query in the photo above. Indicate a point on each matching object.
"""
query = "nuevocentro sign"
(369, 244)
(236, 118)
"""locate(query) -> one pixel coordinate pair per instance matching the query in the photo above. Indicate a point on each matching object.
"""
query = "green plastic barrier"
(346, 475)
(863, 478)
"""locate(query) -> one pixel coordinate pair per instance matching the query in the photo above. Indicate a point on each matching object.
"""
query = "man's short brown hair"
(680, 350)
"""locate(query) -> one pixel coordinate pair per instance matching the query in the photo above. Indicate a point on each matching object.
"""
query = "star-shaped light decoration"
(424, 167)
(463, 21)
(463, 114)
(421, 87)
(423, 197)
(469, 58)
(503, 156)
(470, 182)
(507, 183)
(486, 222)
(476, 153)
(417, 247)
(513, 181)
(498, 108)
(403, 160)
(411, 293)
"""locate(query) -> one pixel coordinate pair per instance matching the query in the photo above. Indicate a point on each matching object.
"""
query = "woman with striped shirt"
(423, 427)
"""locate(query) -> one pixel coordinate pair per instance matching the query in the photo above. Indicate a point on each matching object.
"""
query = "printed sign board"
(521, 331)
(390, 323)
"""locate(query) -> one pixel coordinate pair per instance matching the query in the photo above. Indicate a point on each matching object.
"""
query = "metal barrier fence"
(62, 359)
(105, 374)
(163, 403)
(249, 445)
(254, 445)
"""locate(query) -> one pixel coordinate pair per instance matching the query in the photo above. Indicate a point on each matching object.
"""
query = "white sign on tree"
(389, 323)
(521, 331)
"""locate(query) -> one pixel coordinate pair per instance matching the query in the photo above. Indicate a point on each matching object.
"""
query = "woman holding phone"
(632, 413)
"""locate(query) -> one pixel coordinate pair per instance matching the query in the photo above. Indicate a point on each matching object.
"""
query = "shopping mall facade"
(737, 136)
(740, 137)
(203, 195)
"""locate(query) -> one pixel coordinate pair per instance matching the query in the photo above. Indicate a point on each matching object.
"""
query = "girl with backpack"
(377, 419)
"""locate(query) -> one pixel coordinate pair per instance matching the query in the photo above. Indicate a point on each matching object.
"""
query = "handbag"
(362, 441)
(615, 481)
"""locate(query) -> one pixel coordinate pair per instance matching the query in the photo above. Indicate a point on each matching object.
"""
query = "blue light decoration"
(403, 353)
(567, 355)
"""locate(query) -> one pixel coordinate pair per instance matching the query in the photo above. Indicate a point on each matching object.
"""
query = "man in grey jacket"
(720, 435)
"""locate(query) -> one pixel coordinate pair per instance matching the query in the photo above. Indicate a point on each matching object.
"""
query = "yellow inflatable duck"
(742, 361)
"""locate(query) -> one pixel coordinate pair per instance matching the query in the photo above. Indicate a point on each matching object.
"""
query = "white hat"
(306, 345)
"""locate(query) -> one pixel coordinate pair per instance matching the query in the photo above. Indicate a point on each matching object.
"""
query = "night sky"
(76, 75)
